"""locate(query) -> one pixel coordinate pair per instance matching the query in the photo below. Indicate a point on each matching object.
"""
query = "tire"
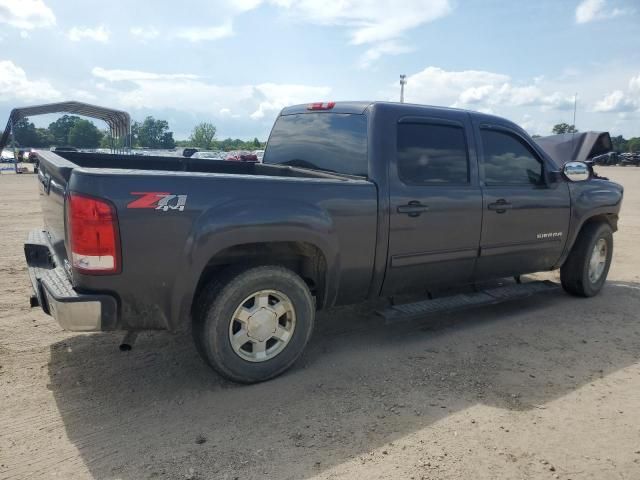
(235, 306)
(575, 274)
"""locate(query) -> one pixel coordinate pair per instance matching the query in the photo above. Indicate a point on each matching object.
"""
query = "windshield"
(333, 142)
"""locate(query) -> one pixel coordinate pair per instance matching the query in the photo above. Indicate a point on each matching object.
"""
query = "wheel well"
(610, 219)
(303, 258)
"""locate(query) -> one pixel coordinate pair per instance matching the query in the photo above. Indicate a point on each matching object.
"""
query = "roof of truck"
(359, 107)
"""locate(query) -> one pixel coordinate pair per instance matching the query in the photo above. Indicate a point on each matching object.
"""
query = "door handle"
(500, 206)
(413, 209)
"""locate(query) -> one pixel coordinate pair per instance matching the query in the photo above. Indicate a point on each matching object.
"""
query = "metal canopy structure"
(119, 121)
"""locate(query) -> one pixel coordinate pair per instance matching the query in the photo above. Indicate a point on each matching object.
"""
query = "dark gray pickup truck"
(354, 200)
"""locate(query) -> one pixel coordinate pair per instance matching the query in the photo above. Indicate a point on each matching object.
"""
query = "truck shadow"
(159, 412)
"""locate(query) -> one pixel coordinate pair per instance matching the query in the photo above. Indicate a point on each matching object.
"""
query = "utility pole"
(403, 82)
(575, 104)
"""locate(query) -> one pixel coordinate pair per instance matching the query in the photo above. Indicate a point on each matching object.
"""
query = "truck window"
(508, 160)
(334, 142)
(431, 154)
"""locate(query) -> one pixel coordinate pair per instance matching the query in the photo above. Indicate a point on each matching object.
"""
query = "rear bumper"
(74, 311)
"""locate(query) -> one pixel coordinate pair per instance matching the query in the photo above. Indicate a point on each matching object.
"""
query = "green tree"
(84, 134)
(256, 143)
(152, 133)
(203, 135)
(25, 133)
(564, 128)
(61, 127)
(633, 145)
(619, 144)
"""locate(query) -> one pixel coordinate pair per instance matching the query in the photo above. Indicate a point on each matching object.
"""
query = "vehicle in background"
(7, 156)
(188, 152)
(259, 154)
(60, 149)
(610, 158)
(353, 201)
(241, 156)
(632, 159)
(211, 155)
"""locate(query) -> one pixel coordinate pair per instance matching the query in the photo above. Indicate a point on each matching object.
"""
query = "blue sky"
(237, 63)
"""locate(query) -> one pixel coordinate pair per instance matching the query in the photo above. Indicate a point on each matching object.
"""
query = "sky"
(237, 63)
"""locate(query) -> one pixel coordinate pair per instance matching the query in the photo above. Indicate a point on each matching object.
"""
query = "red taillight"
(321, 106)
(93, 235)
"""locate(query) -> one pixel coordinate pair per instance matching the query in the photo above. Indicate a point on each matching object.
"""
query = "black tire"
(574, 274)
(215, 309)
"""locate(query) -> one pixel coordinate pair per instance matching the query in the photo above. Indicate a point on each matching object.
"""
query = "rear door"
(526, 216)
(435, 203)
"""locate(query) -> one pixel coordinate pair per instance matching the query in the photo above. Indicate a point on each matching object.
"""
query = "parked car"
(610, 158)
(241, 156)
(212, 155)
(630, 159)
(62, 149)
(259, 154)
(354, 200)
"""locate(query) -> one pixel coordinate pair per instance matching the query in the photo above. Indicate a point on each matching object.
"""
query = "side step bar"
(410, 311)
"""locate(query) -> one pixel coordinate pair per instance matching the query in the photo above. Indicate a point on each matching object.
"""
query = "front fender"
(594, 198)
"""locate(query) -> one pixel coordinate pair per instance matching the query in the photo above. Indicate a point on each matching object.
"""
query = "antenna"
(403, 82)
(573, 133)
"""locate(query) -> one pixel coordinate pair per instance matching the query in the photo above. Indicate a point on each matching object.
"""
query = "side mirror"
(576, 171)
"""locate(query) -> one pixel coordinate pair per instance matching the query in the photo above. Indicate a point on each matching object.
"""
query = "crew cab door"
(435, 203)
(526, 215)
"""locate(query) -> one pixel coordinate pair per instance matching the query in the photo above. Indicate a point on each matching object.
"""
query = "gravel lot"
(547, 387)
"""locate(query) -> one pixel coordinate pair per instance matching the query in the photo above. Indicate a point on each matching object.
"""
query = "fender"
(584, 195)
(253, 220)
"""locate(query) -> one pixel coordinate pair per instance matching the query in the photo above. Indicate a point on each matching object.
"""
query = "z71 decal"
(164, 201)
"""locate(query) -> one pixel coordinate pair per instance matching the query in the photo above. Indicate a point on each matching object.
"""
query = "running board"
(410, 311)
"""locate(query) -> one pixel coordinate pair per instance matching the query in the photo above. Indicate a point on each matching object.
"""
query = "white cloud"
(99, 34)
(199, 34)
(138, 76)
(479, 90)
(385, 48)
(592, 10)
(187, 92)
(379, 24)
(26, 14)
(14, 85)
(619, 101)
(145, 33)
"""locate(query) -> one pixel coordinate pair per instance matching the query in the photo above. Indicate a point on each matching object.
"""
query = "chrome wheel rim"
(262, 325)
(598, 260)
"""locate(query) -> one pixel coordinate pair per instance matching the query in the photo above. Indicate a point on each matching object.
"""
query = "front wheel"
(586, 268)
(251, 326)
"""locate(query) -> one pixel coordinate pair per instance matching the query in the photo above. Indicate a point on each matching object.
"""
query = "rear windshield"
(333, 142)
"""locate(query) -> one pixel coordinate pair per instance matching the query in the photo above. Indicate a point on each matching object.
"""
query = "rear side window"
(333, 142)
(509, 161)
(431, 154)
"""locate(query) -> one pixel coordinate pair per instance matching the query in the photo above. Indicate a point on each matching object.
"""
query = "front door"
(435, 204)
(526, 217)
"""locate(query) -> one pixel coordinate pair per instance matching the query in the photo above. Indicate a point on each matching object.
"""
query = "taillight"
(321, 106)
(93, 235)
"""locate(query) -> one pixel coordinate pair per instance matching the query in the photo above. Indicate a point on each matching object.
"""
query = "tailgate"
(53, 177)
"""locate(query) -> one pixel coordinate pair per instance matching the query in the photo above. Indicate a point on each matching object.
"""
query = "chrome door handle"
(413, 209)
(500, 206)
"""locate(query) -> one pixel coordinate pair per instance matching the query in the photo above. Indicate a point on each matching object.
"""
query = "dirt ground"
(547, 387)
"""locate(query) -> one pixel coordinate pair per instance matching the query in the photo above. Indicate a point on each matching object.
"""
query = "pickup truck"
(354, 200)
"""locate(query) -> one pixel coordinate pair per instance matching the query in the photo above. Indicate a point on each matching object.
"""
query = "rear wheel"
(252, 325)
(585, 270)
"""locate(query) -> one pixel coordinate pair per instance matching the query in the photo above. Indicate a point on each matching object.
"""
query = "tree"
(152, 133)
(256, 143)
(633, 145)
(25, 133)
(619, 143)
(564, 128)
(61, 127)
(84, 134)
(203, 135)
